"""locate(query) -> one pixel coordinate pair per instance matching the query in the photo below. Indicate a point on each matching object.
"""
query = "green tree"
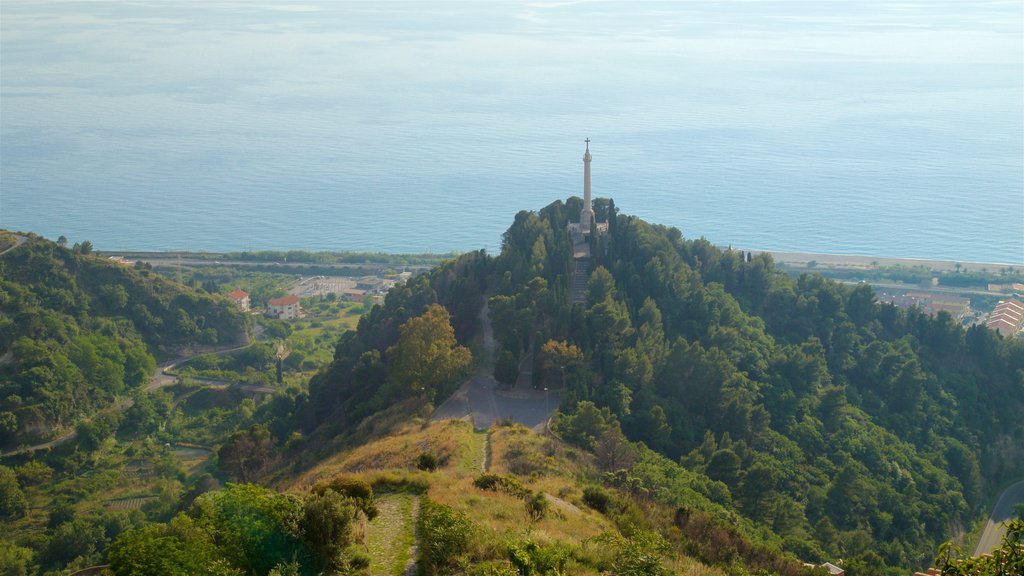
(15, 560)
(327, 525)
(180, 548)
(1006, 560)
(506, 369)
(427, 356)
(12, 500)
(246, 452)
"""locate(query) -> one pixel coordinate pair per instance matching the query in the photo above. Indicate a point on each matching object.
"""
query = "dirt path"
(390, 536)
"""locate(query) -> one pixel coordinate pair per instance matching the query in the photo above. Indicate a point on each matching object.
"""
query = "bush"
(414, 482)
(506, 484)
(359, 491)
(444, 536)
(427, 461)
(537, 506)
(597, 498)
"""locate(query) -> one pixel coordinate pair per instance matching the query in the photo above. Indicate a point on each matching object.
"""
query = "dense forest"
(77, 331)
(840, 427)
(718, 416)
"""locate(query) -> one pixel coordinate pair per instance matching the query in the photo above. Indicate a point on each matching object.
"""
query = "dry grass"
(453, 442)
(552, 472)
(541, 463)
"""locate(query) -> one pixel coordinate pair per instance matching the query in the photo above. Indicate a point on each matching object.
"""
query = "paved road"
(163, 377)
(1002, 512)
(18, 241)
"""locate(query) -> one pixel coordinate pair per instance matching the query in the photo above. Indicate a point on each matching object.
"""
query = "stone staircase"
(580, 278)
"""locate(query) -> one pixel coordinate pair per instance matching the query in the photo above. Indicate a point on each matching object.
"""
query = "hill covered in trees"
(77, 331)
(840, 427)
(719, 416)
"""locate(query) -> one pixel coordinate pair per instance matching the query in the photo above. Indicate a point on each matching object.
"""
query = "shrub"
(444, 536)
(359, 491)
(414, 482)
(530, 558)
(506, 484)
(597, 498)
(427, 461)
(537, 506)
(493, 569)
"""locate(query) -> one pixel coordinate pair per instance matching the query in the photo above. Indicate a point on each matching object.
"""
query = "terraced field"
(133, 503)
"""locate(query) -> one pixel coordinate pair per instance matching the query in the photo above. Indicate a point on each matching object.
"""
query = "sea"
(869, 127)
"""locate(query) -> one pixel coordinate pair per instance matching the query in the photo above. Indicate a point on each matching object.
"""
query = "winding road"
(163, 377)
(994, 531)
(18, 241)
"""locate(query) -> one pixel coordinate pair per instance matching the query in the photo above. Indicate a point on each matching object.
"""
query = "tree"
(180, 548)
(246, 452)
(327, 525)
(1005, 560)
(725, 466)
(15, 560)
(12, 500)
(506, 369)
(427, 355)
(558, 362)
(613, 450)
(85, 248)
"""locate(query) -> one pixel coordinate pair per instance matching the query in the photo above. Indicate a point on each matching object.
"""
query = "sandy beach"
(850, 261)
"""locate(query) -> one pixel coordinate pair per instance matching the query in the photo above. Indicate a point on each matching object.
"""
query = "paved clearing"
(481, 399)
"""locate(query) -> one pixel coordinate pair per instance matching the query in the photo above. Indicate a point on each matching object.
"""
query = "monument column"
(587, 214)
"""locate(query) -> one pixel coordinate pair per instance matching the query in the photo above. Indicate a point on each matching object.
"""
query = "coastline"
(853, 261)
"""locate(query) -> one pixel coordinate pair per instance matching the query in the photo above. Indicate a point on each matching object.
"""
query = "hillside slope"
(77, 331)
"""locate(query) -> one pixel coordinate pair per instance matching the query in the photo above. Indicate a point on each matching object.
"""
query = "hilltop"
(716, 415)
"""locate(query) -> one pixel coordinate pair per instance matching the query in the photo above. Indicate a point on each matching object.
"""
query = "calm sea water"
(869, 127)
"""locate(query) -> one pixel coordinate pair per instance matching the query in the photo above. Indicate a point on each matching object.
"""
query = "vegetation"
(243, 529)
(719, 416)
(1007, 559)
(78, 331)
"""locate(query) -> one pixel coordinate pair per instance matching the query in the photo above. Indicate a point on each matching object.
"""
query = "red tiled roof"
(1011, 305)
(237, 295)
(290, 299)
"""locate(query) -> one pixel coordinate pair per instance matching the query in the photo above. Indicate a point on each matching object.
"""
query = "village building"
(286, 308)
(1007, 318)
(929, 303)
(370, 284)
(1014, 287)
(240, 298)
(353, 295)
